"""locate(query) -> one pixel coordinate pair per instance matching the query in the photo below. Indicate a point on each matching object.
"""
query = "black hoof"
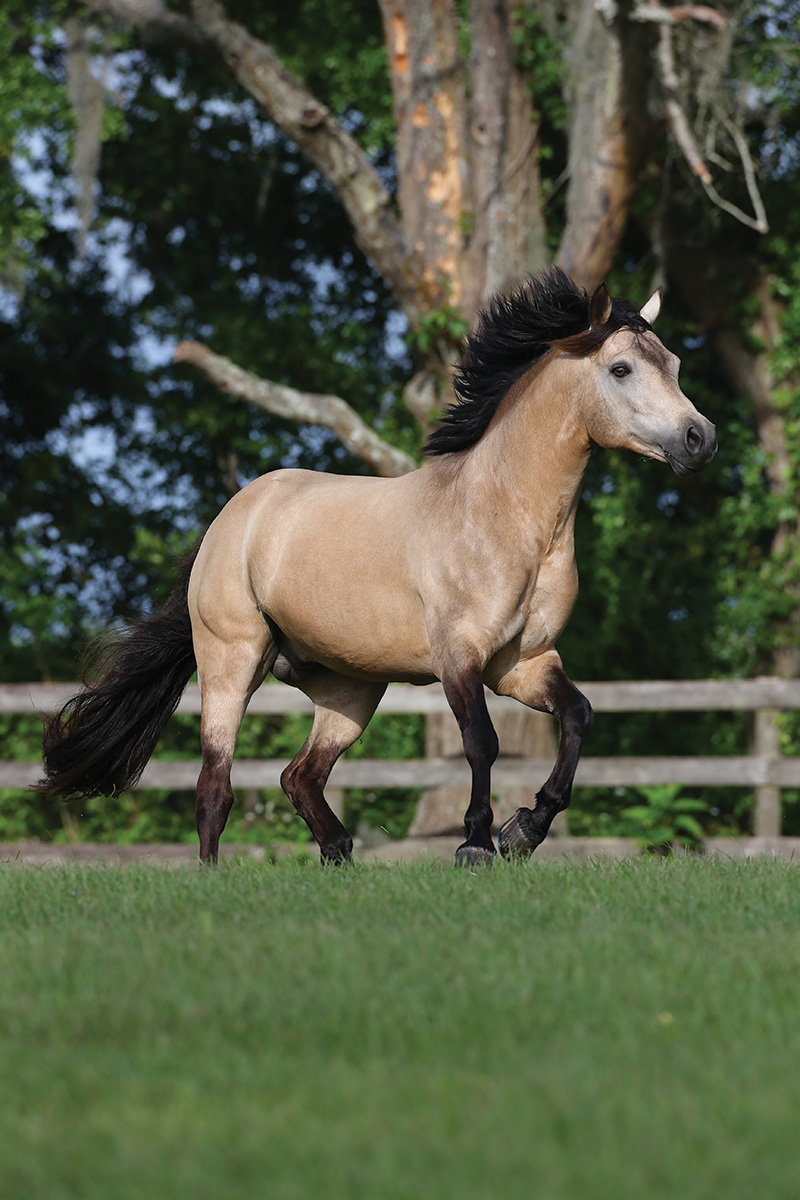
(335, 860)
(473, 856)
(333, 855)
(518, 838)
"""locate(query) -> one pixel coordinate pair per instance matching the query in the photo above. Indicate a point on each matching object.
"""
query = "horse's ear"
(653, 307)
(599, 307)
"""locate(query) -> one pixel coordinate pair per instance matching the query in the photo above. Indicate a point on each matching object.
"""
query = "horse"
(461, 571)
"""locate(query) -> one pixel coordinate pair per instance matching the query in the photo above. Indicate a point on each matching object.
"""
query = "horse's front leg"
(542, 684)
(465, 695)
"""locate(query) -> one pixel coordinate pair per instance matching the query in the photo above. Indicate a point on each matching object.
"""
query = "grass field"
(547, 1031)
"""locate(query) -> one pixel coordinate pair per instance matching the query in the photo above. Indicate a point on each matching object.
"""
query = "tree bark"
(609, 133)
(467, 141)
(508, 239)
(429, 87)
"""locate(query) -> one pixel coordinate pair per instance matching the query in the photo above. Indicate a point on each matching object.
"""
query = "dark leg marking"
(528, 828)
(214, 799)
(303, 781)
(466, 697)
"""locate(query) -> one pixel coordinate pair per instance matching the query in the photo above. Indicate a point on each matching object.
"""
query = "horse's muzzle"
(693, 449)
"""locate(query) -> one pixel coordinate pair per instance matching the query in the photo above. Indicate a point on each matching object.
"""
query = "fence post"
(766, 744)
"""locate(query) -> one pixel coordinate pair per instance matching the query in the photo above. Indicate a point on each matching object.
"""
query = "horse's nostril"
(694, 440)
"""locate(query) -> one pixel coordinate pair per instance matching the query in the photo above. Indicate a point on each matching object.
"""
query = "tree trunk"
(609, 133)
(467, 141)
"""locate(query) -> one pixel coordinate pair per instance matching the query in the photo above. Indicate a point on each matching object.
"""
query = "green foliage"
(541, 54)
(337, 48)
(439, 324)
(29, 102)
(665, 818)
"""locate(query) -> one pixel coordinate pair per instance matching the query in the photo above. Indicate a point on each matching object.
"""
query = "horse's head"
(633, 400)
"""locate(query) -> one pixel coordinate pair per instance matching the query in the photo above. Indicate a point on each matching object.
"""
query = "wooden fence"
(760, 766)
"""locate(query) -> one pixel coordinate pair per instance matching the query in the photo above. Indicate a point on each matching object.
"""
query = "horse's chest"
(549, 605)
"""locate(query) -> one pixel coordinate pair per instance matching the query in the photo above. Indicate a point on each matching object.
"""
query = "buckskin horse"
(462, 571)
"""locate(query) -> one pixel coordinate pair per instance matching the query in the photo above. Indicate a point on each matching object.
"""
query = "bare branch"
(153, 21)
(682, 12)
(677, 117)
(305, 408)
(86, 95)
(691, 152)
(760, 222)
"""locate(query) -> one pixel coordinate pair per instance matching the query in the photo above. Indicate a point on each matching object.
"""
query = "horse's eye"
(620, 370)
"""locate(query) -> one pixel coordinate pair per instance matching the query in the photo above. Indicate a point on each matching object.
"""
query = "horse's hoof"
(517, 838)
(335, 860)
(473, 856)
(335, 856)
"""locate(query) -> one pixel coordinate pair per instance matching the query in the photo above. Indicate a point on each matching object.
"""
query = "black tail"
(102, 739)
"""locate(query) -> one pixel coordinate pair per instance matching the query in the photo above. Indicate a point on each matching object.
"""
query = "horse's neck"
(534, 455)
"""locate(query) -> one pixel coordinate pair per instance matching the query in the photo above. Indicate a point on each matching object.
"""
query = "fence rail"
(763, 768)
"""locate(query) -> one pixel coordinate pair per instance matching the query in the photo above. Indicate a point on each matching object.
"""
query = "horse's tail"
(102, 739)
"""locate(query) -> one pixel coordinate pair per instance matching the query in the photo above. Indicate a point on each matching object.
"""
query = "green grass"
(551, 1031)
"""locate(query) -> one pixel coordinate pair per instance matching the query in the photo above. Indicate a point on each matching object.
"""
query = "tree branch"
(87, 98)
(690, 150)
(336, 154)
(327, 145)
(682, 12)
(305, 408)
(153, 21)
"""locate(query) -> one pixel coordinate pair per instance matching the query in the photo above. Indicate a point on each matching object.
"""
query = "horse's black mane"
(512, 334)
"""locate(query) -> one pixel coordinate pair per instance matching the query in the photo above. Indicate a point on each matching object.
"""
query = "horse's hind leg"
(229, 672)
(343, 709)
(542, 684)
